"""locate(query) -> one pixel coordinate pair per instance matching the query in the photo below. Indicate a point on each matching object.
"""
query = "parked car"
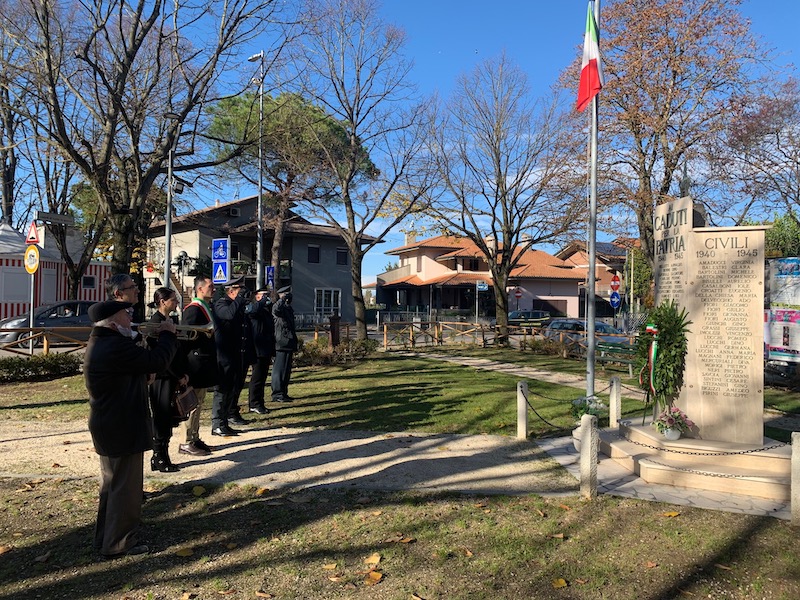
(573, 331)
(71, 313)
(529, 319)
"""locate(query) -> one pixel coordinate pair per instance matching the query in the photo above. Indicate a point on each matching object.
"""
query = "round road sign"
(518, 293)
(615, 299)
(31, 259)
(615, 283)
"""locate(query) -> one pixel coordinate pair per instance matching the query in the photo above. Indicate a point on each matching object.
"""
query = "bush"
(39, 367)
(318, 352)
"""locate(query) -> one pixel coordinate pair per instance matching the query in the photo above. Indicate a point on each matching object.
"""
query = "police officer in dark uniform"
(285, 345)
(234, 354)
(260, 314)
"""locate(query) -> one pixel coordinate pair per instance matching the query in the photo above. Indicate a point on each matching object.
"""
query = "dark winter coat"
(263, 327)
(233, 335)
(285, 335)
(115, 370)
(201, 352)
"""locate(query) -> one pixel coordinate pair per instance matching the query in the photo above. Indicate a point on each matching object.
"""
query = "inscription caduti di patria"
(717, 275)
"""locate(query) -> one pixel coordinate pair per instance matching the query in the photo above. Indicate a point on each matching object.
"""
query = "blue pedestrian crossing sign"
(220, 259)
(270, 277)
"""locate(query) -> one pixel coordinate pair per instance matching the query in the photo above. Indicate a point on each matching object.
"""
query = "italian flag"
(591, 71)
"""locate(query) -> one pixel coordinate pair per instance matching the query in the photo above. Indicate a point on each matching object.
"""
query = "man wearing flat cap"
(234, 354)
(285, 345)
(115, 370)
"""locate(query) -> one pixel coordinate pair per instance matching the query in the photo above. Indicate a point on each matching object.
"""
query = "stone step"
(771, 457)
(764, 474)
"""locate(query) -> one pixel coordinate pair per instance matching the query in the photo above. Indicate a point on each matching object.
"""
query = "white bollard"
(615, 403)
(590, 442)
(794, 497)
(522, 410)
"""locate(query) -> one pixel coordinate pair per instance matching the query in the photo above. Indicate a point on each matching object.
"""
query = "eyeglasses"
(129, 287)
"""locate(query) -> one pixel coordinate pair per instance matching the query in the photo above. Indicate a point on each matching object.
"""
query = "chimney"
(411, 237)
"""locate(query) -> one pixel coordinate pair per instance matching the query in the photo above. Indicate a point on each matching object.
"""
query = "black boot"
(160, 460)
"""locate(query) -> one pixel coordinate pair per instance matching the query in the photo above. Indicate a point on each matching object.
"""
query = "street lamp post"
(168, 214)
(260, 211)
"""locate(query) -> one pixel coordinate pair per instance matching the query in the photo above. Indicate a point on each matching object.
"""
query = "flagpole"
(591, 342)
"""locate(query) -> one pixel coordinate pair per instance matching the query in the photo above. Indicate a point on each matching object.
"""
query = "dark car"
(529, 319)
(573, 331)
(71, 313)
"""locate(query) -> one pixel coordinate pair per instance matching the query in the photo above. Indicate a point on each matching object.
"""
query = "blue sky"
(447, 38)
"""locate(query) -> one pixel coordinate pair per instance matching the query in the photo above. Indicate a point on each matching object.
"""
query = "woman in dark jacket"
(162, 390)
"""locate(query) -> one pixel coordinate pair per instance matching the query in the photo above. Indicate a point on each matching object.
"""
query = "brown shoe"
(203, 446)
(193, 449)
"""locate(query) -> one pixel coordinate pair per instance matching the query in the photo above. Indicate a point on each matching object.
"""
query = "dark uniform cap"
(104, 310)
(235, 281)
(262, 289)
(285, 289)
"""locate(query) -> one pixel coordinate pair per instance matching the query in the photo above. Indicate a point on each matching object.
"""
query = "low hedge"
(39, 367)
(318, 352)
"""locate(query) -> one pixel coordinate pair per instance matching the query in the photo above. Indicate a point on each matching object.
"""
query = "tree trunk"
(358, 296)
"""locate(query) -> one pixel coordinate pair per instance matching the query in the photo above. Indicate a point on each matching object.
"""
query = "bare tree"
(506, 176)
(671, 68)
(140, 73)
(760, 149)
(350, 64)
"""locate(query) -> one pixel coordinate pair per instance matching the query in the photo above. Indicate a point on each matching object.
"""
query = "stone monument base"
(762, 470)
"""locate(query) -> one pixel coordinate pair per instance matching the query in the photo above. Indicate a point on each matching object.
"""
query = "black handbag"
(184, 401)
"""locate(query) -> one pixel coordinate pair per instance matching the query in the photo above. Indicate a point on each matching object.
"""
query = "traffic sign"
(615, 299)
(518, 293)
(270, 276)
(220, 259)
(31, 259)
(615, 283)
(33, 234)
(482, 286)
(54, 218)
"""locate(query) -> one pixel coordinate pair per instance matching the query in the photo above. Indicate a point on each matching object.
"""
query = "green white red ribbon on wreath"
(651, 359)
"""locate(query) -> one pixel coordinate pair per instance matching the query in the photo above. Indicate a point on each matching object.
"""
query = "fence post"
(794, 497)
(385, 336)
(588, 459)
(411, 337)
(522, 410)
(615, 403)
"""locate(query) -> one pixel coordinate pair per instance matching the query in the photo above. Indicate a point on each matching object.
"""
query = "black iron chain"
(662, 449)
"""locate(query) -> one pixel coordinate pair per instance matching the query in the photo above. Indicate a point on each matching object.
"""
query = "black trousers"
(226, 395)
(119, 511)
(281, 372)
(258, 381)
(161, 393)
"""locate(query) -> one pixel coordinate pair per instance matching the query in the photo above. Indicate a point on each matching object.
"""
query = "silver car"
(70, 313)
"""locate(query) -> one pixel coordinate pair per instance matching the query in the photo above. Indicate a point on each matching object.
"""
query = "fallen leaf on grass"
(184, 552)
(373, 577)
(44, 557)
(262, 491)
(227, 592)
(336, 578)
(188, 596)
(581, 581)
(349, 585)
(724, 567)
(5, 548)
(55, 465)
(559, 583)
(564, 506)
(650, 564)
(260, 594)
(416, 597)
(329, 566)
(376, 513)
(671, 514)
(198, 490)
(468, 552)
(541, 514)
(373, 559)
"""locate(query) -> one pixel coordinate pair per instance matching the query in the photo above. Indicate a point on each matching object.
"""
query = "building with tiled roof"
(442, 275)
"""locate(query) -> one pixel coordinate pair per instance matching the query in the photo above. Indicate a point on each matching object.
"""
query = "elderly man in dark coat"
(115, 369)
(260, 315)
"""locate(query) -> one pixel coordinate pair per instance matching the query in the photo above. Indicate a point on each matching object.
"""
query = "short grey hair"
(115, 283)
